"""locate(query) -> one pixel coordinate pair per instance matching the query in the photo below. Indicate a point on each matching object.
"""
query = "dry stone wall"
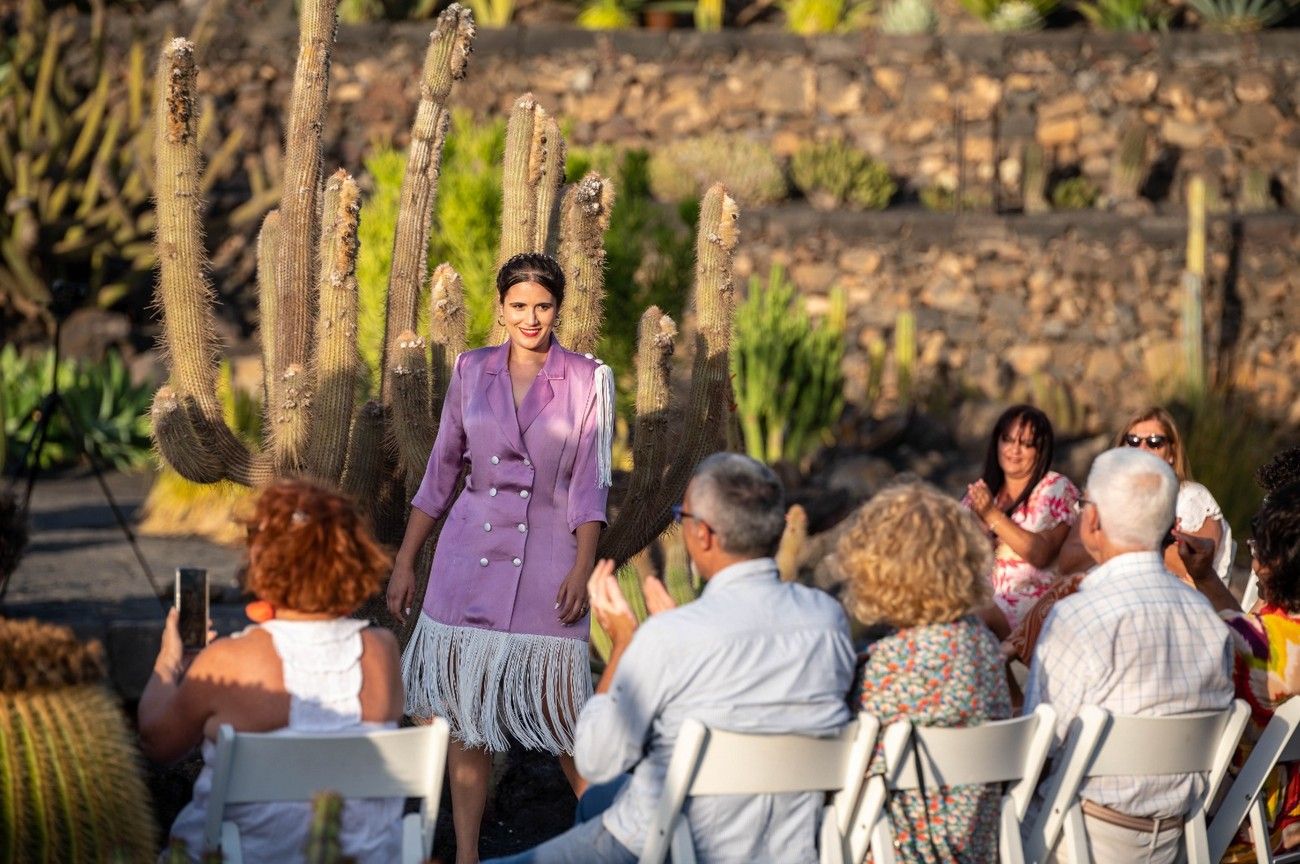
(1079, 310)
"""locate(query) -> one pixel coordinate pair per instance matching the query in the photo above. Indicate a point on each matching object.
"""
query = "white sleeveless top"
(322, 674)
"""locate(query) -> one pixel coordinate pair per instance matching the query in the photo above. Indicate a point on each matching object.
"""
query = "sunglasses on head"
(1154, 442)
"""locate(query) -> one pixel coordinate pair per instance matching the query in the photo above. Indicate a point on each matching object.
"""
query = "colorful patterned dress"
(1266, 673)
(1017, 584)
(939, 675)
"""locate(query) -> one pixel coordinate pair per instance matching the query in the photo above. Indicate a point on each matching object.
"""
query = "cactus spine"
(307, 255)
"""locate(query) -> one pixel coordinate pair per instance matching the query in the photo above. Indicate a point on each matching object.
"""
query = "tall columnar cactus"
(1033, 179)
(1193, 311)
(308, 303)
(1130, 163)
(70, 778)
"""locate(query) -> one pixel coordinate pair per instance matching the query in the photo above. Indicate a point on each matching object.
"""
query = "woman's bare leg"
(570, 769)
(469, 769)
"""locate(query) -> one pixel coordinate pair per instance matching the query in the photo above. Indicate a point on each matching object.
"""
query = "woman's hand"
(981, 499)
(571, 599)
(401, 589)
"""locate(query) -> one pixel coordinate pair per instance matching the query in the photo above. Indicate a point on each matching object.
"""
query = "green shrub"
(908, 17)
(786, 369)
(833, 173)
(942, 199)
(110, 410)
(650, 255)
(1074, 193)
(1125, 16)
(607, 15)
(685, 168)
(467, 226)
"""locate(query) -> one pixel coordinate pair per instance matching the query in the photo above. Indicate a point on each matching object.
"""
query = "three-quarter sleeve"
(448, 455)
(586, 496)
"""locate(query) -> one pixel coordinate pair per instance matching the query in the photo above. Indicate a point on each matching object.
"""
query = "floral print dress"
(1017, 584)
(939, 675)
(1265, 673)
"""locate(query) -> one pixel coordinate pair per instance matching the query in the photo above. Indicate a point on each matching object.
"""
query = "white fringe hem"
(492, 686)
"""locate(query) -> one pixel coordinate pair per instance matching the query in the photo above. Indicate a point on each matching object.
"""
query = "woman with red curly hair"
(311, 668)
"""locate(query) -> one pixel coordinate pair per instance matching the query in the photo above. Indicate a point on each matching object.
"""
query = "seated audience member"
(752, 654)
(918, 561)
(309, 669)
(1026, 509)
(1135, 641)
(1153, 429)
(1266, 643)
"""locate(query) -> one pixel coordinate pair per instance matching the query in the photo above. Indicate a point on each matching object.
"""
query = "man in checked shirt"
(1136, 641)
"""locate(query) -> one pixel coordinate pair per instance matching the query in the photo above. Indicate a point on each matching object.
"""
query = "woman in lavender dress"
(500, 645)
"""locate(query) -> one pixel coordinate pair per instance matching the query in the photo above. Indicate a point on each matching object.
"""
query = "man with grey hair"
(752, 654)
(1133, 640)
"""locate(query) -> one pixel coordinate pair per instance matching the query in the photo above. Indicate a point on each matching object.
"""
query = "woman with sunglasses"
(1153, 429)
(1265, 641)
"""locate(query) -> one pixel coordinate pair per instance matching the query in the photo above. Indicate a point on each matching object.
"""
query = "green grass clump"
(1075, 193)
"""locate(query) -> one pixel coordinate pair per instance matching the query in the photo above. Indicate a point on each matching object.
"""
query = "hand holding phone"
(192, 606)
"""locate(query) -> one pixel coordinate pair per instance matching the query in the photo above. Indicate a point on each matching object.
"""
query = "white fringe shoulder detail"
(605, 425)
(493, 687)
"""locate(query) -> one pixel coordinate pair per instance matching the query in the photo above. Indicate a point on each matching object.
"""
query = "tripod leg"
(88, 451)
(30, 464)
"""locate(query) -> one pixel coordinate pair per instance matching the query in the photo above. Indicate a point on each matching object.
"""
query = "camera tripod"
(27, 469)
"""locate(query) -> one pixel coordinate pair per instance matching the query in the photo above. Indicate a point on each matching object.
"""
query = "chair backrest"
(1100, 744)
(1277, 743)
(1004, 751)
(709, 761)
(389, 763)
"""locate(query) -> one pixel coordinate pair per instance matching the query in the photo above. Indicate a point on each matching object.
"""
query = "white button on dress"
(518, 562)
(482, 562)
(523, 493)
(487, 526)
(522, 528)
(496, 460)
(527, 464)
(493, 492)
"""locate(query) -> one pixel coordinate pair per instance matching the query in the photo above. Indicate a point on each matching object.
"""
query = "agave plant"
(1240, 16)
(1124, 16)
(908, 17)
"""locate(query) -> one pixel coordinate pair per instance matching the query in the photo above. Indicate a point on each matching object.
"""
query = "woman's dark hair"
(531, 267)
(1041, 430)
(1282, 470)
(1275, 530)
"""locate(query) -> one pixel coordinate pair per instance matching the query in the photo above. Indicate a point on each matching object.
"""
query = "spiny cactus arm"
(525, 158)
(792, 542)
(364, 468)
(583, 221)
(183, 290)
(413, 428)
(550, 181)
(448, 330)
(445, 62)
(338, 365)
(268, 239)
(323, 843)
(295, 274)
(178, 443)
(637, 523)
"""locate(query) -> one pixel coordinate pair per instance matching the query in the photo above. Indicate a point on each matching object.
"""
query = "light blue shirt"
(752, 654)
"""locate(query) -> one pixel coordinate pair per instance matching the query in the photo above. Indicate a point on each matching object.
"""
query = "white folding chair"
(709, 761)
(1004, 751)
(1277, 743)
(1100, 744)
(390, 763)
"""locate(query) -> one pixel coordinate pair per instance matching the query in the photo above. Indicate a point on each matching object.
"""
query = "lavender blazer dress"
(488, 651)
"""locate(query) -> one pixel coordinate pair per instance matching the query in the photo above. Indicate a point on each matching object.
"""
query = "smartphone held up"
(192, 606)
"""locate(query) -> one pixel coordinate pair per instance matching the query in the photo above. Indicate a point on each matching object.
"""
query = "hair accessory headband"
(299, 517)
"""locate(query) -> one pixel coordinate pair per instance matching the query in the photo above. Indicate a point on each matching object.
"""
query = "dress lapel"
(543, 389)
(501, 398)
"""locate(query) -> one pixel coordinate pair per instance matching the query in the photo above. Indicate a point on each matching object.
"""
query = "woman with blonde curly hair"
(310, 668)
(919, 562)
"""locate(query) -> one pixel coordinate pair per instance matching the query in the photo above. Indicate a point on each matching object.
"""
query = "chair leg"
(1198, 845)
(1259, 831)
(1074, 836)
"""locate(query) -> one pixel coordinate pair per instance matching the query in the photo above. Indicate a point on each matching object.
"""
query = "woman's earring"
(500, 323)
